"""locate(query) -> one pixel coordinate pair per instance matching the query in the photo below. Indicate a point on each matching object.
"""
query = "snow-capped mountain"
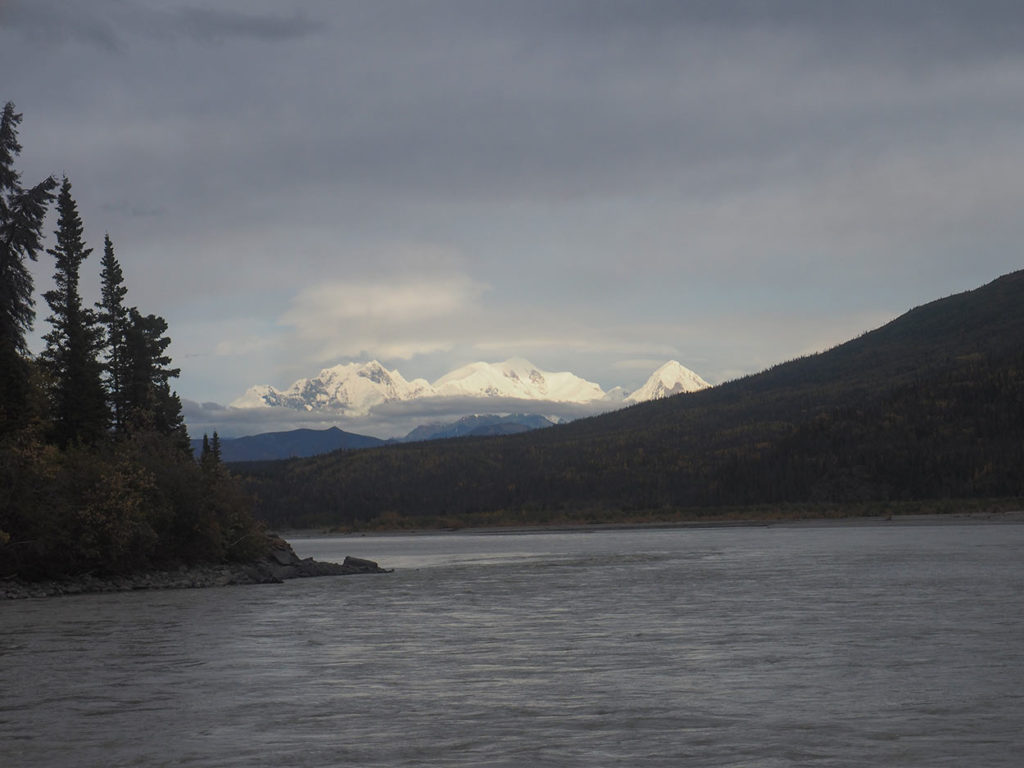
(671, 379)
(516, 378)
(616, 395)
(353, 389)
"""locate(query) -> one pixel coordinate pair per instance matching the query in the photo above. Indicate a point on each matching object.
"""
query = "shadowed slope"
(927, 406)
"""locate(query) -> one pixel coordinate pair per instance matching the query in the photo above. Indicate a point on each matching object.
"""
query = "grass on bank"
(390, 522)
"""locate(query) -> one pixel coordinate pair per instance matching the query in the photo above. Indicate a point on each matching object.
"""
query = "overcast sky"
(596, 186)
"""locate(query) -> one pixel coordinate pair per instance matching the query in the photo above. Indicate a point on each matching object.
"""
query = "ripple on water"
(831, 647)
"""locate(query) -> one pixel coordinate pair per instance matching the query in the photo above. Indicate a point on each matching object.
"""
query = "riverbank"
(280, 565)
(985, 517)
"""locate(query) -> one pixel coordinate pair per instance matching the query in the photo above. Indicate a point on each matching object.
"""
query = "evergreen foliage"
(74, 496)
(148, 397)
(113, 315)
(22, 212)
(75, 339)
(209, 458)
(928, 407)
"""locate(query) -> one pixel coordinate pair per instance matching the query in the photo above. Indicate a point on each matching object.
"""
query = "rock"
(285, 571)
(280, 563)
(359, 565)
(351, 565)
(284, 556)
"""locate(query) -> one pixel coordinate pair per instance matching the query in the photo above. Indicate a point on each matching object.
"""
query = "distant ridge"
(929, 406)
(296, 443)
(479, 426)
(303, 443)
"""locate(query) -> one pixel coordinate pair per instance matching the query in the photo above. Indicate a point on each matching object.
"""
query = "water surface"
(783, 646)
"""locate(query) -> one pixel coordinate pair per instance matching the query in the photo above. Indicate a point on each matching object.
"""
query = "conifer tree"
(149, 401)
(114, 317)
(75, 339)
(210, 458)
(21, 220)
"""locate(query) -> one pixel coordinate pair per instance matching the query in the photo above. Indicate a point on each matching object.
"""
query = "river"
(830, 645)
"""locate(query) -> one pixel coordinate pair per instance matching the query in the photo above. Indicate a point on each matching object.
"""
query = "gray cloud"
(50, 22)
(729, 183)
(112, 25)
(218, 25)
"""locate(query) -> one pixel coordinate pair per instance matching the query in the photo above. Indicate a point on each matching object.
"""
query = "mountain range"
(353, 389)
(927, 407)
(301, 443)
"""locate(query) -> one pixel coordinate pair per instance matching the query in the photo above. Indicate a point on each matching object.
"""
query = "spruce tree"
(75, 339)
(149, 401)
(114, 317)
(22, 212)
(210, 458)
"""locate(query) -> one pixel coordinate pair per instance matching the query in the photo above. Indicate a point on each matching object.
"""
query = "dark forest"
(928, 407)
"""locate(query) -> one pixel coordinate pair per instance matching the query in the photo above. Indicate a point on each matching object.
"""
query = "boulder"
(359, 565)
(284, 556)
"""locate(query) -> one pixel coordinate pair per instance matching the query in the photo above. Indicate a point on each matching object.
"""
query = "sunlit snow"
(355, 388)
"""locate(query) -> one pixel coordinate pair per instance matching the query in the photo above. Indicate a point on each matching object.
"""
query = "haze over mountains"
(353, 389)
(367, 399)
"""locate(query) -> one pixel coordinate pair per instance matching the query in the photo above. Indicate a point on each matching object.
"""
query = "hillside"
(295, 443)
(930, 405)
(479, 425)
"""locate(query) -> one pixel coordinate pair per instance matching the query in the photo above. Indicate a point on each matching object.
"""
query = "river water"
(863, 645)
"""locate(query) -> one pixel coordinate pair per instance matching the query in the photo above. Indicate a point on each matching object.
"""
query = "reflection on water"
(783, 646)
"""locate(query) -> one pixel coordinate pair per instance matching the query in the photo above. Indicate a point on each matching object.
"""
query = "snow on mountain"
(516, 378)
(615, 395)
(670, 379)
(354, 389)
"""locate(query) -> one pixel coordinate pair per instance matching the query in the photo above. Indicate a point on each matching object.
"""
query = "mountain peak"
(516, 378)
(350, 388)
(672, 378)
(353, 389)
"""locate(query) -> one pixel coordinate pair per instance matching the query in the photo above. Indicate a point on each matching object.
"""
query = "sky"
(596, 186)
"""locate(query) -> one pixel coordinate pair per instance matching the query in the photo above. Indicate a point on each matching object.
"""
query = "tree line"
(955, 435)
(96, 468)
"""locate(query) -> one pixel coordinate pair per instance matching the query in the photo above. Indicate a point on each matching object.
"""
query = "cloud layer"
(387, 420)
(585, 183)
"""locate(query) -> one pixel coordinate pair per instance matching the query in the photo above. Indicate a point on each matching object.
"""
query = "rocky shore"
(281, 564)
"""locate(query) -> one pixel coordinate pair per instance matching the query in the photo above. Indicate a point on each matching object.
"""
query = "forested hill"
(293, 443)
(929, 406)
